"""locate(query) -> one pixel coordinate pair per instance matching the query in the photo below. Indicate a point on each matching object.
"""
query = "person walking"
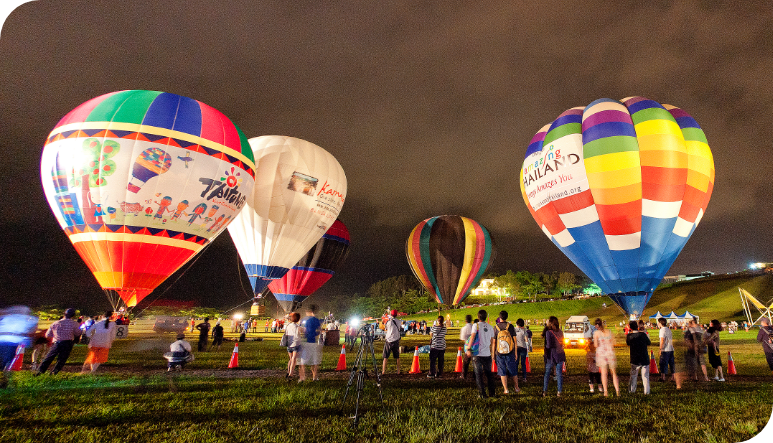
(311, 352)
(638, 340)
(101, 336)
(696, 350)
(203, 334)
(505, 352)
(765, 338)
(711, 338)
(594, 376)
(605, 356)
(294, 342)
(521, 347)
(666, 350)
(392, 341)
(464, 335)
(483, 334)
(437, 348)
(217, 336)
(17, 327)
(555, 356)
(64, 332)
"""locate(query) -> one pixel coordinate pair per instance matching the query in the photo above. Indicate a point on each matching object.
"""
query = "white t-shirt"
(521, 340)
(101, 337)
(180, 346)
(465, 333)
(485, 333)
(393, 326)
(668, 341)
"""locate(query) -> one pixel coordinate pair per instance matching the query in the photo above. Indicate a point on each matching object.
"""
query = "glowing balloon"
(619, 187)
(314, 269)
(449, 255)
(120, 172)
(299, 191)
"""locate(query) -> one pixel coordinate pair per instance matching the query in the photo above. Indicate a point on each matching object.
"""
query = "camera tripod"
(360, 371)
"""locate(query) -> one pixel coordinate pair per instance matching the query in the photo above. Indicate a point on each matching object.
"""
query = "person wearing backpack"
(464, 334)
(505, 352)
(481, 343)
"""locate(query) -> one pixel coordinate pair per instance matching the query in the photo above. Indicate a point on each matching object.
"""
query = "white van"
(577, 331)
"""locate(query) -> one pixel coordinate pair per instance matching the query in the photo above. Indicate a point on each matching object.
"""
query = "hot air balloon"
(619, 187)
(314, 269)
(299, 191)
(449, 255)
(112, 177)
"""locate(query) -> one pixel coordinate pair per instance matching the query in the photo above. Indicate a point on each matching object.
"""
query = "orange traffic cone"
(18, 359)
(459, 361)
(563, 368)
(234, 363)
(730, 364)
(494, 367)
(653, 365)
(528, 366)
(415, 368)
(342, 359)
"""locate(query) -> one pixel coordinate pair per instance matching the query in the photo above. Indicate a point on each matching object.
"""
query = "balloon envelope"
(314, 269)
(141, 181)
(449, 255)
(619, 187)
(299, 191)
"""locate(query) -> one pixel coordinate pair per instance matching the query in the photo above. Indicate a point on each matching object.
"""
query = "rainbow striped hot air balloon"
(141, 181)
(449, 255)
(619, 187)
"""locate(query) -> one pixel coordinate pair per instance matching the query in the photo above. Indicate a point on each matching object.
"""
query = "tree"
(566, 282)
(510, 282)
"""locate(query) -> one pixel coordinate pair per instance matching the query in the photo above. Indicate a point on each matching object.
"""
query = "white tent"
(657, 316)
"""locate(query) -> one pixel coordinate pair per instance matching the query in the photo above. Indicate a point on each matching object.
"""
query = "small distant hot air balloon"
(299, 191)
(449, 255)
(619, 187)
(110, 175)
(314, 269)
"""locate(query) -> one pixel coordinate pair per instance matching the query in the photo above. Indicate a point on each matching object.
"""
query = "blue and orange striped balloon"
(449, 255)
(619, 187)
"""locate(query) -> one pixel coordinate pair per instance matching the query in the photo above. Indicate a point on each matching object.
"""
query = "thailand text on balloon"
(314, 269)
(449, 255)
(129, 176)
(299, 191)
(619, 187)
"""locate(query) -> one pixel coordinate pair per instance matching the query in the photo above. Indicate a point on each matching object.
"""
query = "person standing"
(711, 338)
(17, 327)
(605, 355)
(217, 336)
(101, 336)
(203, 334)
(505, 352)
(392, 341)
(696, 350)
(484, 334)
(765, 338)
(521, 347)
(638, 341)
(437, 348)
(64, 332)
(594, 376)
(311, 352)
(555, 357)
(666, 350)
(294, 340)
(464, 335)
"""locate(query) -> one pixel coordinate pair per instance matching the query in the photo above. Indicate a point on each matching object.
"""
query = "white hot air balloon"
(299, 191)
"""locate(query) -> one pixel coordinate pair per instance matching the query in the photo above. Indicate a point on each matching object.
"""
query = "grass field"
(133, 398)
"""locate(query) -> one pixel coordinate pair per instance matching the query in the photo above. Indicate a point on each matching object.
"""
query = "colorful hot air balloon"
(111, 174)
(449, 255)
(299, 190)
(619, 187)
(314, 269)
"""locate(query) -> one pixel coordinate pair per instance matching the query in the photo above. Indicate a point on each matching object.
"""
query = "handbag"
(473, 347)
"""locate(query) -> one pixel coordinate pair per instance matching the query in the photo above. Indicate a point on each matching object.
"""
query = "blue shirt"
(311, 324)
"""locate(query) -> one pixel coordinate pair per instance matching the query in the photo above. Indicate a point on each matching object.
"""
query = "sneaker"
(716, 378)
(721, 379)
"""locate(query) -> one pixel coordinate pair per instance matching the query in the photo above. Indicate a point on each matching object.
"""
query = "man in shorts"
(666, 350)
(392, 340)
(764, 337)
(505, 352)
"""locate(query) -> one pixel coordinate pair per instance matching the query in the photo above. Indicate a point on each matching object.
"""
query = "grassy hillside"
(714, 297)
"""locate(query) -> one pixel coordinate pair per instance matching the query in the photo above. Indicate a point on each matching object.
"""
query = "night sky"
(428, 106)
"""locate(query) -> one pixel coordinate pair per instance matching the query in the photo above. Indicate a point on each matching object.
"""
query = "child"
(594, 376)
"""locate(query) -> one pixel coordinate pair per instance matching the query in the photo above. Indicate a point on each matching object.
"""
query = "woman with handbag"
(555, 357)
(711, 338)
(292, 340)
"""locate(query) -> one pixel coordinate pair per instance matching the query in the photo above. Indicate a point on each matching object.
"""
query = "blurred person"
(63, 332)
(695, 356)
(666, 350)
(437, 348)
(638, 341)
(606, 361)
(505, 352)
(711, 338)
(464, 334)
(101, 335)
(294, 342)
(180, 353)
(40, 345)
(17, 326)
(203, 334)
(521, 347)
(311, 351)
(392, 341)
(555, 356)
(217, 336)
(765, 338)
(594, 376)
(485, 335)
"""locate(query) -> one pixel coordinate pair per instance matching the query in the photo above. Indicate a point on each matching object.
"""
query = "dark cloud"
(428, 106)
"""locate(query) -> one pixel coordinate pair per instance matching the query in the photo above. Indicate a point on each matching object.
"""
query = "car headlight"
(566, 341)
(581, 341)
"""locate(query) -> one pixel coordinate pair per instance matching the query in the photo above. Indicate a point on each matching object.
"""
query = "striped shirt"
(438, 340)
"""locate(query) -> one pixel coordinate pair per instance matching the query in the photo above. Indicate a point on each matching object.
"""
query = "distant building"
(486, 288)
(686, 277)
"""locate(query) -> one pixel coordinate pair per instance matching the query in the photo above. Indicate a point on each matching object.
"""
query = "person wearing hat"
(392, 343)
(63, 332)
